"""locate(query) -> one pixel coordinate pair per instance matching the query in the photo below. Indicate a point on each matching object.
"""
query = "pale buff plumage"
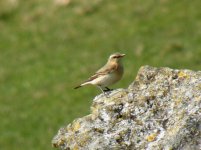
(109, 74)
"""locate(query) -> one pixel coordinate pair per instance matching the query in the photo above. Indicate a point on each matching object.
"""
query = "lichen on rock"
(159, 110)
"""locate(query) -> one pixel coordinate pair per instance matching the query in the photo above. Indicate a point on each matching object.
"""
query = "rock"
(159, 110)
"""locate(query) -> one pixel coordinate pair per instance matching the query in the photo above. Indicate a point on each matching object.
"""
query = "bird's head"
(116, 57)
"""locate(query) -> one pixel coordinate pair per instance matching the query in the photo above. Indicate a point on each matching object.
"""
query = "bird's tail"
(79, 86)
(85, 83)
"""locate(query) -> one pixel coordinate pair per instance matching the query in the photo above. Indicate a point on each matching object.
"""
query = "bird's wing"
(103, 71)
(107, 69)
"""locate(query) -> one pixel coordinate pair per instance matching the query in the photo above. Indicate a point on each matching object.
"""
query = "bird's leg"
(102, 91)
(107, 89)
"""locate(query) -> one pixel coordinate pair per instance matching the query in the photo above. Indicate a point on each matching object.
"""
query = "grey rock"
(160, 110)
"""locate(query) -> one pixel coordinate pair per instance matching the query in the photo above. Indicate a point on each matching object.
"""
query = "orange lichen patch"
(95, 110)
(151, 137)
(177, 102)
(182, 74)
(61, 142)
(76, 147)
(83, 139)
(76, 126)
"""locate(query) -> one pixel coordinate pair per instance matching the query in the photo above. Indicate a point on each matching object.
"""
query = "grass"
(47, 49)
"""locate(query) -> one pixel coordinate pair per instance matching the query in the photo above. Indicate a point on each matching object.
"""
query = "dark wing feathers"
(103, 71)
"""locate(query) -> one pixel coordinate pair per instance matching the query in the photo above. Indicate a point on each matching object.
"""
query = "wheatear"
(109, 74)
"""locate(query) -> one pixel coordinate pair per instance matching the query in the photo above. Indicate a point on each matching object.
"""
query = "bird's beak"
(122, 55)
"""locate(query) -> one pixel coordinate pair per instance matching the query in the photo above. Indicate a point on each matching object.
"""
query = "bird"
(109, 74)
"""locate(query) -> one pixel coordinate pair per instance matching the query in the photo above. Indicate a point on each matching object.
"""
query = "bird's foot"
(107, 89)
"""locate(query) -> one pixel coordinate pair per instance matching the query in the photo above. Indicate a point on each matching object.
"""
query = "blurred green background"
(49, 46)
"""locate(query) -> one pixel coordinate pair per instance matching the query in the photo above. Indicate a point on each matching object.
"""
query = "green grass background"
(47, 49)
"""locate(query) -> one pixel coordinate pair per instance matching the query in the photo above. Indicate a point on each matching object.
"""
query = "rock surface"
(159, 110)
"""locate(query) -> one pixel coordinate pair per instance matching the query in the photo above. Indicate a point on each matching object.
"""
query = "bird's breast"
(112, 77)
